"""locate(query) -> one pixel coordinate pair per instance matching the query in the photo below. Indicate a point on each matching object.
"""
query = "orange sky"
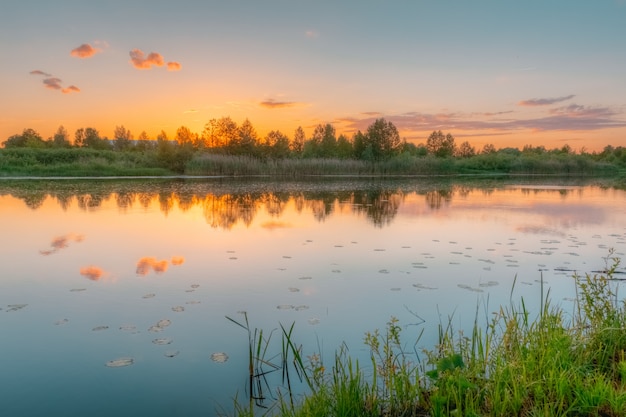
(507, 74)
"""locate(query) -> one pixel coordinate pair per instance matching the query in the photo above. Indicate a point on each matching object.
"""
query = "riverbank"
(549, 363)
(80, 162)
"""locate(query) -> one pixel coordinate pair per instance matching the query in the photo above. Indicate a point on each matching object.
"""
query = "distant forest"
(200, 153)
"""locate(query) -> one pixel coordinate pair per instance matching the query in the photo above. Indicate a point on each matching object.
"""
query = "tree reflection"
(225, 204)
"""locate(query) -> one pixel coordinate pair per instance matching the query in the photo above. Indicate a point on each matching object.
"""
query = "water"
(114, 294)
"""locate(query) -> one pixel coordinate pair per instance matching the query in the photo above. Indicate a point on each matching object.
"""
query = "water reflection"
(227, 203)
(61, 242)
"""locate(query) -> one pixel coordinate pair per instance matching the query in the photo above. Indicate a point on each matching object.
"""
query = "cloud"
(93, 273)
(140, 61)
(38, 72)
(70, 89)
(544, 101)
(273, 104)
(568, 118)
(53, 83)
(174, 66)
(84, 51)
(149, 263)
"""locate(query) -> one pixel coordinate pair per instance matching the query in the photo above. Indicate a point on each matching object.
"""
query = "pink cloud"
(70, 89)
(139, 59)
(84, 51)
(174, 66)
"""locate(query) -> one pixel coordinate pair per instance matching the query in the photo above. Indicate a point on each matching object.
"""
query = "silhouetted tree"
(383, 140)
(122, 137)
(440, 145)
(297, 145)
(276, 145)
(465, 150)
(247, 139)
(488, 149)
(61, 138)
(28, 139)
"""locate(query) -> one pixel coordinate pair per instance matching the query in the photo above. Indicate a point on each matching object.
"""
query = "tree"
(90, 138)
(247, 139)
(383, 139)
(122, 137)
(276, 145)
(440, 145)
(344, 147)
(226, 133)
(297, 145)
(28, 139)
(488, 149)
(61, 138)
(465, 150)
(184, 137)
(144, 142)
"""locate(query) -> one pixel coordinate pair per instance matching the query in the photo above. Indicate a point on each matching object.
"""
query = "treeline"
(379, 144)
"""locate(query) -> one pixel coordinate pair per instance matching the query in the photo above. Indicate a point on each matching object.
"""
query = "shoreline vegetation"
(513, 362)
(225, 148)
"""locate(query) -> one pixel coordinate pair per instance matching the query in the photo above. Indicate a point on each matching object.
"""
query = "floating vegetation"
(467, 287)
(286, 257)
(489, 284)
(302, 307)
(171, 353)
(194, 286)
(313, 321)
(160, 326)
(336, 271)
(294, 289)
(455, 263)
(233, 258)
(162, 341)
(120, 362)
(379, 250)
(219, 357)
(304, 278)
(61, 322)
(285, 307)
(78, 289)
(131, 328)
(406, 247)
(191, 302)
(424, 287)
(384, 271)
(15, 307)
(99, 328)
(178, 309)
(395, 289)
(151, 295)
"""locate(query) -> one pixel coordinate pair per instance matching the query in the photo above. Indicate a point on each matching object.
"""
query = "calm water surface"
(145, 272)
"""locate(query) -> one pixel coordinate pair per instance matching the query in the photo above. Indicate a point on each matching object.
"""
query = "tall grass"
(517, 363)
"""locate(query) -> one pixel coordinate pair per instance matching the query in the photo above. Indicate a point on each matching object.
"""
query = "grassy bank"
(518, 363)
(50, 162)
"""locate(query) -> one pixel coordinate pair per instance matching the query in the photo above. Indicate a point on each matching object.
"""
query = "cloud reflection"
(93, 273)
(149, 263)
(61, 242)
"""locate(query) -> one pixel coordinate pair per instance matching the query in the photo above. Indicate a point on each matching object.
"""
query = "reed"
(515, 363)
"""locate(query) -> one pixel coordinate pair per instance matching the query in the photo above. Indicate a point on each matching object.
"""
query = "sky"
(502, 72)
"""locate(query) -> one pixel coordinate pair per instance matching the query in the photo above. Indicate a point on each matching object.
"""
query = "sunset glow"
(508, 74)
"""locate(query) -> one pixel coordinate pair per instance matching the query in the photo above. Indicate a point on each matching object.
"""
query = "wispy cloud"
(568, 118)
(174, 66)
(544, 101)
(55, 83)
(38, 72)
(84, 51)
(273, 104)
